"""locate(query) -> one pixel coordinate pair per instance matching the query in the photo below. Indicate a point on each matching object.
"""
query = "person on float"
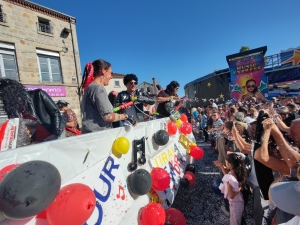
(249, 91)
(149, 110)
(130, 81)
(72, 126)
(35, 105)
(166, 99)
(96, 108)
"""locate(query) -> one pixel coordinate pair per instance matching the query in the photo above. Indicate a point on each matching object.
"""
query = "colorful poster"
(172, 160)
(247, 75)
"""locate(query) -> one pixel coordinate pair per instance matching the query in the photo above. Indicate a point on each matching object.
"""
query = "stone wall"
(21, 29)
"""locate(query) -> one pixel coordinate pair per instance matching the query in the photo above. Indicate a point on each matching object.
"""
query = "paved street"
(199, 204)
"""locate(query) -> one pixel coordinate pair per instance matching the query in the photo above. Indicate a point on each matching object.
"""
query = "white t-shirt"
(294, 221)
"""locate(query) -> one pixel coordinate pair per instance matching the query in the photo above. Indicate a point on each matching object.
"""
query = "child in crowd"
(233, 182)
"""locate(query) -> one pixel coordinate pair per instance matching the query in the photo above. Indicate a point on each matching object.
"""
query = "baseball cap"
(274, 98)
(239, 116)
(286, 195)
(61, 101)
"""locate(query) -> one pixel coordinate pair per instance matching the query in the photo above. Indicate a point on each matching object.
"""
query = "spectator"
(233, 182)
(72, 127)
(213, 104)
(216, 129)
(203, 125)
(149, 110)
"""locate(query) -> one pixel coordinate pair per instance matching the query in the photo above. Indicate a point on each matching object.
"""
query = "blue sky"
(178, 39)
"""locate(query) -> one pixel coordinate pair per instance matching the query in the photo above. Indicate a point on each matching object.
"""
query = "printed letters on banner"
(174, 161)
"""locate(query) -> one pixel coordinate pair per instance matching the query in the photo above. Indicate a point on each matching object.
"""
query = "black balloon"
(28, 189)
(191, 168)
(184, 182)
(161, 137)
(140, 182)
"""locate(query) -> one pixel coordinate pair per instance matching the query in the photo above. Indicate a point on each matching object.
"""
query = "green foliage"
(244, 49)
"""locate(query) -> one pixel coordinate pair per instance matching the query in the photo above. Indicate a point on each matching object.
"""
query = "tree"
(244, 49)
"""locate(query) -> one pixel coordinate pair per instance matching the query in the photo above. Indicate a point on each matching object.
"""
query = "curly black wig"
(171, 87)
(130, 77)
(14, 97)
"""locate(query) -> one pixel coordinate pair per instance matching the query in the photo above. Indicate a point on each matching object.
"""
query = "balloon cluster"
(189, 177)
(154, 214)
(33, 188)
(181, 124)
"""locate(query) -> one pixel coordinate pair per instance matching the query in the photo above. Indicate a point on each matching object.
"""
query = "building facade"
(39, 48)
(116, 83)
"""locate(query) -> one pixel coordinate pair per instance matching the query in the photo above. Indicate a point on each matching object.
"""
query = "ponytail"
(237, 160)
(91, 70)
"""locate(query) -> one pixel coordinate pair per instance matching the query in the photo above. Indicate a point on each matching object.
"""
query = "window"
(49, 66)
(117, 83)
(8, 65)
(44, 26)
(2, 15)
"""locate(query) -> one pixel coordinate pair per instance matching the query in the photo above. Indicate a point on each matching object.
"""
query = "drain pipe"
(75, 61)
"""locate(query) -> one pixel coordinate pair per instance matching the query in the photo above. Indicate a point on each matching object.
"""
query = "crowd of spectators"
(265, 136)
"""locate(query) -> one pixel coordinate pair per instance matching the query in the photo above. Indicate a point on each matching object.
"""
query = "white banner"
(105, 173)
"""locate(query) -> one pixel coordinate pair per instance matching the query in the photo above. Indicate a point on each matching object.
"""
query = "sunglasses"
(214, 115)
(251, 86)
(282, 114)
(133, 83)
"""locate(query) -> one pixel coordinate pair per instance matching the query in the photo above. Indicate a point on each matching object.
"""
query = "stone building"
(116, 83)
(39, 47)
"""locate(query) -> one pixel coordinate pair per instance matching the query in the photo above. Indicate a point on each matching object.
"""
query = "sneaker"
(224, 211)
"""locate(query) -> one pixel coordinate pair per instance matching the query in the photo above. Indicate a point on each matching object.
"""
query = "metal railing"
(46, 28)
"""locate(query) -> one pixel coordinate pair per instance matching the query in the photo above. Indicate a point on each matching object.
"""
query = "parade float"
(127, 175)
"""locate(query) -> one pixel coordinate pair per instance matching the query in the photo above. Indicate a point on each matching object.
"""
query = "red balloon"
(191, 177)
(74, 205)
(153, 214)
(184, 118)
(196, 152)
(172, 128)
(175, 217)
(186, 128)
(160, 179)
(6, 169)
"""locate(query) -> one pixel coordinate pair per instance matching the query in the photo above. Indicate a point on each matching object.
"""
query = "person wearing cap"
(213, 104)
(275, 102)
(283, 111)
(241, 126)
(72, 128)
(285, 195)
